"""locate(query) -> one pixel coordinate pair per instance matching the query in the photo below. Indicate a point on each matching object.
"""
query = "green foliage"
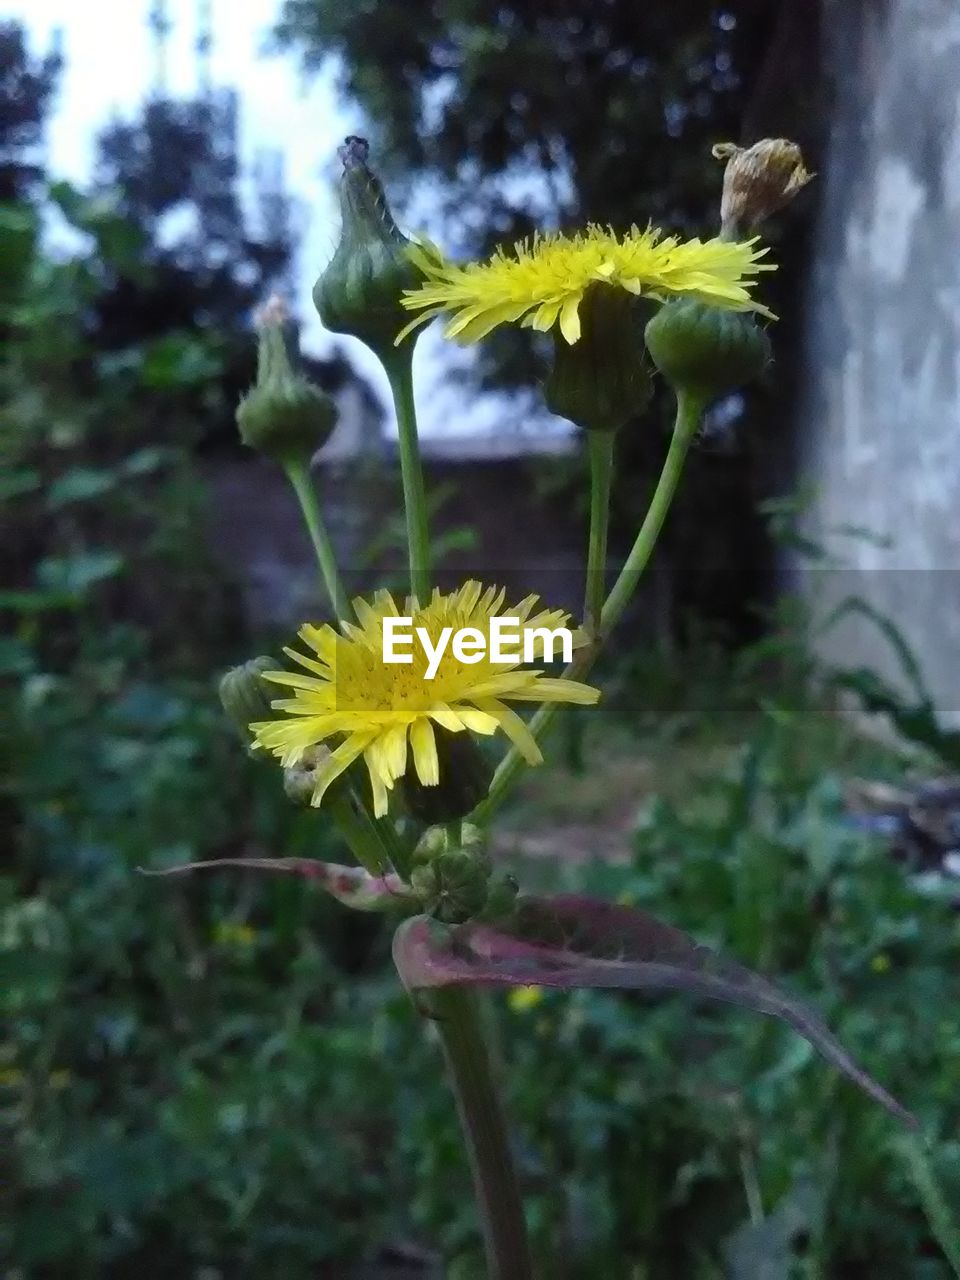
(225, 1071)
(220, 1076)
(102, 508)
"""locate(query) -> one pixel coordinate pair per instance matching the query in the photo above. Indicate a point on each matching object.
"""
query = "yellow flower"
(523, 999)
(376, 707)
(234, 933)
(543, 280)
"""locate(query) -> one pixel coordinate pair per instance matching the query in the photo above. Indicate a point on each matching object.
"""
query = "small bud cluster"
(455, 881)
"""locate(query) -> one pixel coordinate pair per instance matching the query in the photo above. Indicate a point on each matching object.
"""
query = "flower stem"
(358, 830)
(374, 843)
(399, 369)
(689, 409)
(299, 476)
(600, 445)
(458, 1021)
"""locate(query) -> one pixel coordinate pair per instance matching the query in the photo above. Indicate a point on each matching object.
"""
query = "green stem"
(689, 411)
(600, 445)
(356, 828)
(374, 844)
(484, 1128)
(299, 476)
(399, 368)
(687, 420)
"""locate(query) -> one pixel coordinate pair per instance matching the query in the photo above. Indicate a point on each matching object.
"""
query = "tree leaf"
(574, 941)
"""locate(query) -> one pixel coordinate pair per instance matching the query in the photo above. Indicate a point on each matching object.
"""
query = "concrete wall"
(881, 415)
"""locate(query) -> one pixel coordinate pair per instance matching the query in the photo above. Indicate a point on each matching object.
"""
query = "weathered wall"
(882, 409)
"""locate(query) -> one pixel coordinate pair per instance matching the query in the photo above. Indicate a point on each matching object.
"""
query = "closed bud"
(600, 381)
(464, 781)
(706, 352)
(284, 415)
(758, 181)
(359, 292)
(453, 886)
(245, 695)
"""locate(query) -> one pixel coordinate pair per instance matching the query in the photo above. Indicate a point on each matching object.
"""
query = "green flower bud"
(706, 352)
(453, 886)
(359, 292)
(464, 780)
(245, 695)
(283, 415)
(600, 381)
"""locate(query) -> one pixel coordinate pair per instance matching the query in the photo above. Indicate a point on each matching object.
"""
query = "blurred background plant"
(227, 1082)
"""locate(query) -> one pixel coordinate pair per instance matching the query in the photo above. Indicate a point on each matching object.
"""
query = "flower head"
(378, 709)
(542, 282)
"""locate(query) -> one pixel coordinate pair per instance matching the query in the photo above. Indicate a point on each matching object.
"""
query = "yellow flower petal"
(570, 319)
(541, 282)
(337, 762)
(424, 746)
(515, 729)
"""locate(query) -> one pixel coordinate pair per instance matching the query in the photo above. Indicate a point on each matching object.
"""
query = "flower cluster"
(407, 722)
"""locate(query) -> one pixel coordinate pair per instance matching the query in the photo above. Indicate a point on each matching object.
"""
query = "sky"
(110, 66)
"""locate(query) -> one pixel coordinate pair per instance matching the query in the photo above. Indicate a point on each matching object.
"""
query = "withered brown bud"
(757, 181)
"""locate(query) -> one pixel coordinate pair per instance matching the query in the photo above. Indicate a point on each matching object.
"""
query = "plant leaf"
(352, 886)
(574, 941)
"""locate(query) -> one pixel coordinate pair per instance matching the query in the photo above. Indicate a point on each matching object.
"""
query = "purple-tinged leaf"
(572, 941)
(352, 886)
